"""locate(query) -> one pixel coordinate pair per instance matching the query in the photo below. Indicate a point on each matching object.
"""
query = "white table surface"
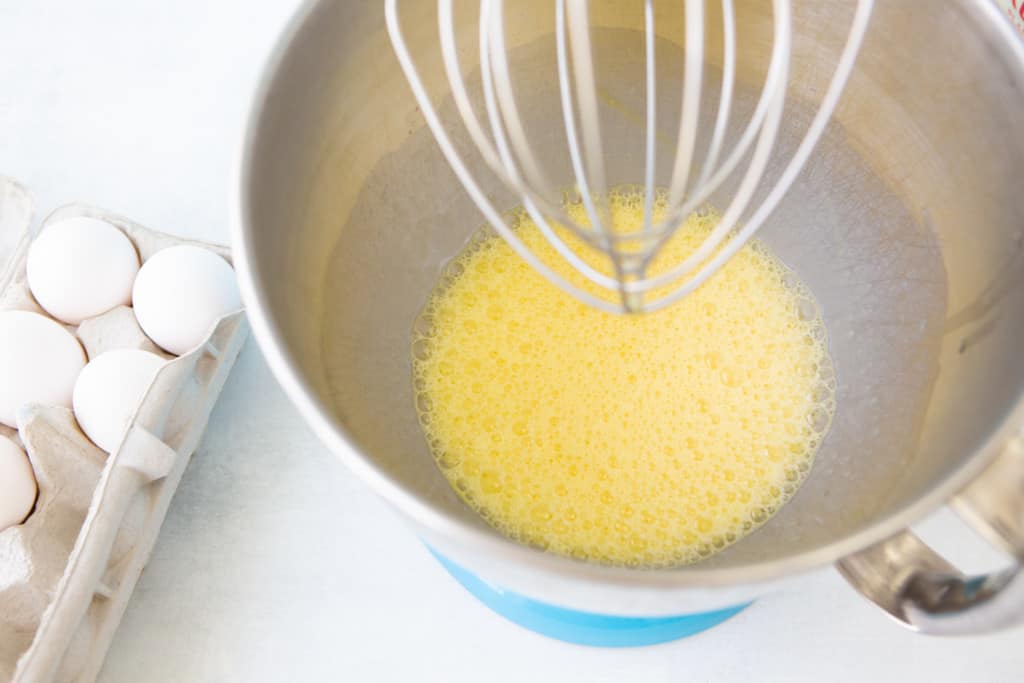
(275, 563)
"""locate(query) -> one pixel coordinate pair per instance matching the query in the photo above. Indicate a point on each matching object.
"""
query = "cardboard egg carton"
(67, 572)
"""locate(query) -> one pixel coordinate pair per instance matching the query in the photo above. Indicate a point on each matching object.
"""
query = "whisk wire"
(847, 59)
(693, 72)
(589, 165)
(652, 109)
(458, 166)
(759, 160)
(725, 94)
(503, 167)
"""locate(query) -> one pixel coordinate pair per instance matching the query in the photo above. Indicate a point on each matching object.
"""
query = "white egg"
(180, 293)
(17, 484)
(39, 362)
(81, 267)
(109, 391)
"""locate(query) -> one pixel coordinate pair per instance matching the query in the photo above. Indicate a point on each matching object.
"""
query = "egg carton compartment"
(67, 572)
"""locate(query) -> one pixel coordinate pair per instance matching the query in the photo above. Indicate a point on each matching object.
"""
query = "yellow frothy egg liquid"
(639, 440)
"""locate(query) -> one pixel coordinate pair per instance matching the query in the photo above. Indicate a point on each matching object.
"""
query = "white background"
(275, 563)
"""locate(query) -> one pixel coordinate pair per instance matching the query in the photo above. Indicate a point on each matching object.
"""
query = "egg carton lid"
(137, 480)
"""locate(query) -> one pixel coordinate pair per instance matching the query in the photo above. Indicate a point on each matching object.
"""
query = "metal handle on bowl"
(923, 591)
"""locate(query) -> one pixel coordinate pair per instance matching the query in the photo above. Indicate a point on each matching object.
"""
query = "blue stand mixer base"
(584, 628)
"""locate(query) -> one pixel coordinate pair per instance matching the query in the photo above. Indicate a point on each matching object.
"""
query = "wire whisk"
(500, 137)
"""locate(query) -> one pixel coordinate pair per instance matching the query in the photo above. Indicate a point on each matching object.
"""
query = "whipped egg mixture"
(639, 440)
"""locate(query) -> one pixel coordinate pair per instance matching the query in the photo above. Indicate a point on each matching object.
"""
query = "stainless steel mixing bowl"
(907, 224)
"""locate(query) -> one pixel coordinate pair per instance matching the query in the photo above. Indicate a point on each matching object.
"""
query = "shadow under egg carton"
(67, 572)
